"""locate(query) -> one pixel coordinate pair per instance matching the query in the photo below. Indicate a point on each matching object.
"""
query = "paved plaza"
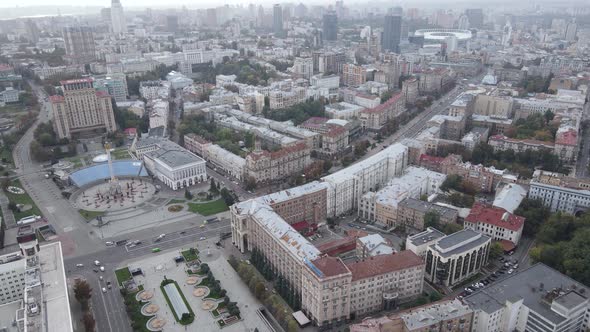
(107, 196)
(162, 264)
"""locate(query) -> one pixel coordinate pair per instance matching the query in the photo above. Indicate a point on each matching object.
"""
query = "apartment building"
(154, 89)
(496, 223)
(159, 112)
(494, 106)
(441, 316)
(538, 298)
(456, 257)
(279, 99)
(82, 110)
(79, 44)
(375, 118)
(348, 185)
(559, 192)
(303, 68)
(270, 166)
(353, 75)
(410, 90)
(382, 206)
(411, 212)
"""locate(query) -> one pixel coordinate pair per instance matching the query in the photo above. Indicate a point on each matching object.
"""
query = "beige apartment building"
(267, 166)
(331, 291)
(82, 110)
(353, 75)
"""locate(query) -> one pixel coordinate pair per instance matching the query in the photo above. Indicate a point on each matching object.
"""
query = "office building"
(172, 23)
(79, 43)
(33, 288)
(82, 110)
(559, 192)
(114, 84)
(571, 31)
(456, 257)
(419, 243)
(277, 20)
(330, 26)
(475, 17)
(118, 22)
(538, 298)
(392, 27)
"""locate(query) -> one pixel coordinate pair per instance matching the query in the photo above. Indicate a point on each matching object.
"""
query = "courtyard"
(204, 279)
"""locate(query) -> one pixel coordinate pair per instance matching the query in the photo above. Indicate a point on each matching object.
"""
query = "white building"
(178, 80)
(9, 95)
(232, 164)
(154, 89)
(172, 164)
(118, 22)
(303, 68)
(538, 298)
(559, 192)
(419, 243)
(348, 185)
(343, 111)
(159, 113)
(373, 245)
(496, 223)
(33, 288)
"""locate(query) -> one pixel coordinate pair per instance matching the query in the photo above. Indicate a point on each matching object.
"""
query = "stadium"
(439, 35)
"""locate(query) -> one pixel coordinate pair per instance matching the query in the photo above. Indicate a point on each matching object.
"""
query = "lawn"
(119, 154)
(22, 199)
(123, 275)
(77, 161)
(207, 209)
(191, 313)
(13, 108)
(6, 154)
(190, 256)
(89, 215)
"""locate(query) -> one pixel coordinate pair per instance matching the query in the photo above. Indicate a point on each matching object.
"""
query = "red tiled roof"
(569, 137)
(102, 94)
(335, 130)
(488, 214)
(382, 264)
(56, 99)
(330, 266)
(299, 226)
(380, 108)
(431, 159)
(507, 245)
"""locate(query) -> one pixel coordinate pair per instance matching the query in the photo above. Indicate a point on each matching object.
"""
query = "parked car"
(96, 263)
(104, 290)
(109, 243)
(79, 265)
(515, 266)
(510, 271)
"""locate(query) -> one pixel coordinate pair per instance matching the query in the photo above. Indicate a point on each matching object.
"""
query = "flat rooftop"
(460, 241)
(538, 286)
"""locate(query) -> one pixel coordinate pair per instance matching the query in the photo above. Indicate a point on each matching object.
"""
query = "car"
(109, 243)
(132, 245)
(104, 290)
(156, 250)
(201, 226)
(102, 269)
(501, 259)
(79, 265)
(202, 238)
(100, 278)
(507, 264)
(514, 261)
(96, 263)
(515, 266)
(510, 271)
(157, 239)
(109, 285)
(183, 232)
(161, 236)
(511, 253)
(95, 270)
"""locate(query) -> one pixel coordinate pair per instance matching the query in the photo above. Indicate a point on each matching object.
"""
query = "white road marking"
(106, 311)
(155, 244)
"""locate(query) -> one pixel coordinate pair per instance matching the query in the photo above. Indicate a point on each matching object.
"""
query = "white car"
(202, 238)
(510, 271)
(79, 265)
(104, 290)
(96, 263)
(100, 278)
(102, 269)
(109, 243)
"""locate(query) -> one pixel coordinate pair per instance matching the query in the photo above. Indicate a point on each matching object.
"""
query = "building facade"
(495, 222)
(456, 257)
(79, 43)
(82, 110)
(411, 212)
(559, 192)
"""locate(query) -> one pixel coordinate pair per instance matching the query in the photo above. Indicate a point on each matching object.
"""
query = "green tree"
(213, 187)
(88, 321)
(451, 228)
(432, 219)
(496, 250)
(82, 293)
(188, 195)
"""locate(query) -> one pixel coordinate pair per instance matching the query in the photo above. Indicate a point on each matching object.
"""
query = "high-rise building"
(105, 15)
(115, 84)
(32, 31)
(82, 109)
(391, 33)
(277, 20)
(172, 23)
(330, 23)
(570, 31)
(118, 23)
(79, 42)
(33, 288)
(211, 17)
(475, 16)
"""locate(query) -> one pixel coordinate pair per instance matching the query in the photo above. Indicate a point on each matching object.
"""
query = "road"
(583, 162)
(108, 306)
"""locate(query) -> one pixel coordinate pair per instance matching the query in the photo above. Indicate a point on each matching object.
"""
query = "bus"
(156, 250)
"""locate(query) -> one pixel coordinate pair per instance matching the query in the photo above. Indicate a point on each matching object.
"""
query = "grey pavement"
(8, 219)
